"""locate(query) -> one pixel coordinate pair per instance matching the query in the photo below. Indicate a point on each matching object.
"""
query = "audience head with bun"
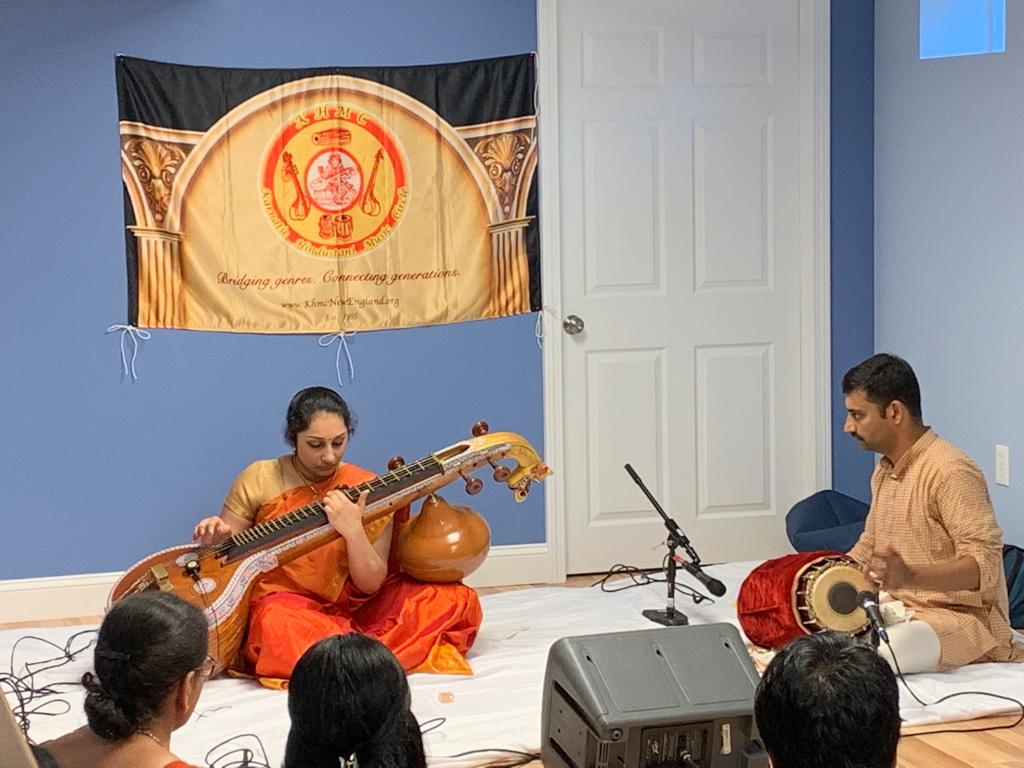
(150, 664)
(349, 703)
(147, 645)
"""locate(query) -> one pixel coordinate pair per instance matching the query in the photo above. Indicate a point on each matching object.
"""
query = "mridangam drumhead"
(826, 596)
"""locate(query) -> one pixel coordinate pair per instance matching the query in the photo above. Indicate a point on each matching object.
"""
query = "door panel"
(679, 203)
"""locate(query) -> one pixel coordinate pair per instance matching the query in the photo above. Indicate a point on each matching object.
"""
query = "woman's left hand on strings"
(345, 515)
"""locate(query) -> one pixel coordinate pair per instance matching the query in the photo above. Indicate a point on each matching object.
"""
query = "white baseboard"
(510, 564)
(61, 597)
(55, 597)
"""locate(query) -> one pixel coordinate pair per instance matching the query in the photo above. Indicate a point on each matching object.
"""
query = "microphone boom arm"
(674, 532)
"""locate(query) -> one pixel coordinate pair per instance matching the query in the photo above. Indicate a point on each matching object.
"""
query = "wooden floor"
(987, 749)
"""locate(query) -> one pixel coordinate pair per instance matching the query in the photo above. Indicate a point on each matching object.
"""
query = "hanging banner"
(313, 201)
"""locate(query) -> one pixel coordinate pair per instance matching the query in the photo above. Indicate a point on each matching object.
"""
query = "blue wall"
(98, 472)
(852, 222)
(949, 235)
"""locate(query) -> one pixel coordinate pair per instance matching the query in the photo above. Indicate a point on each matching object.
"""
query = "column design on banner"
(150, 161)
(508, 150)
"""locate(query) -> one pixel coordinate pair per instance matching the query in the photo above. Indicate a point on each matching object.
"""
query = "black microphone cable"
(514, 757)
(241, 756)
(26, 691)
(432, 725)
(641, 578)
(947, 697)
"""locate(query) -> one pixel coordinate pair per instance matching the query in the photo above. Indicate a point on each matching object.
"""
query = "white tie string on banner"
(329, 338)
(136, 334)
(538, 329)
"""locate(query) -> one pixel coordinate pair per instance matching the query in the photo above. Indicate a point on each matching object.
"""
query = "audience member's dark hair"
(829, 700)
(884, 378)
(349, 696)
(310, 401)
(147, 643)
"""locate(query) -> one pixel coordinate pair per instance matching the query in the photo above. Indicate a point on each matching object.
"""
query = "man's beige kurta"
(932, 506)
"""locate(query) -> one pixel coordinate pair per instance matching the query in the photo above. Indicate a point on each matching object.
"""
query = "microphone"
(869, 602)
(713, 585)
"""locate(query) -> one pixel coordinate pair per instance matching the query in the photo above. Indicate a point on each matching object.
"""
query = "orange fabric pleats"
(428, 626)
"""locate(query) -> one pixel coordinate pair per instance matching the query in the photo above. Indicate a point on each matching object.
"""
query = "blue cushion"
(826, 520)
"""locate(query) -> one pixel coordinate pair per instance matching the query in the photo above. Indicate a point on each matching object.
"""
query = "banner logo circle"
(334, 181)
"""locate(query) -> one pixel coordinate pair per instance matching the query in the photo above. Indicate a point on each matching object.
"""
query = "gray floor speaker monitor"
(678, 696)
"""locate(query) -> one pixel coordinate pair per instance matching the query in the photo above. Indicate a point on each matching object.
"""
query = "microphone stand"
(669, 617)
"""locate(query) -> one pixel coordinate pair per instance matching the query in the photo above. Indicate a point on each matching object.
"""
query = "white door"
(680, 206)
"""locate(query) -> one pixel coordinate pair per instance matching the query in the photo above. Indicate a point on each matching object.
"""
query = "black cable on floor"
(23, 686)
(640, 578)
(518, 757)
(240, 757)
(432, 724)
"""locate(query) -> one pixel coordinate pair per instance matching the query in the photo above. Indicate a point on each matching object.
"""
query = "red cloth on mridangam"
(766, 604)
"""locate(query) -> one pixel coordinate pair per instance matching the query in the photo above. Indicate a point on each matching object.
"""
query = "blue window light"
(962, 27)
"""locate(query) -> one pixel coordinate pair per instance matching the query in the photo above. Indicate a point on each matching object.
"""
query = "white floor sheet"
(500, 705)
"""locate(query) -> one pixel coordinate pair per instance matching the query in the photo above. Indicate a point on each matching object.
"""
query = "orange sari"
(428, 626)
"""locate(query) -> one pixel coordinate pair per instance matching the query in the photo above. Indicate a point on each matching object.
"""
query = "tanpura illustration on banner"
(311, 201)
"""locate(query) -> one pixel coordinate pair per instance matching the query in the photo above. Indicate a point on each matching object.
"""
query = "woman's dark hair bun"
(106, 719)
(147, 644)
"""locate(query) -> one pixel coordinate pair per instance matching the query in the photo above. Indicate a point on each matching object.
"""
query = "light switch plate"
(1002, 465)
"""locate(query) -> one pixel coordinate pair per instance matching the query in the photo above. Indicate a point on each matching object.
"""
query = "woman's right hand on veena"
(211, 530)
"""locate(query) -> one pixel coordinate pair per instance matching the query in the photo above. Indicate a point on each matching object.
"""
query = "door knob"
(572, 325)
